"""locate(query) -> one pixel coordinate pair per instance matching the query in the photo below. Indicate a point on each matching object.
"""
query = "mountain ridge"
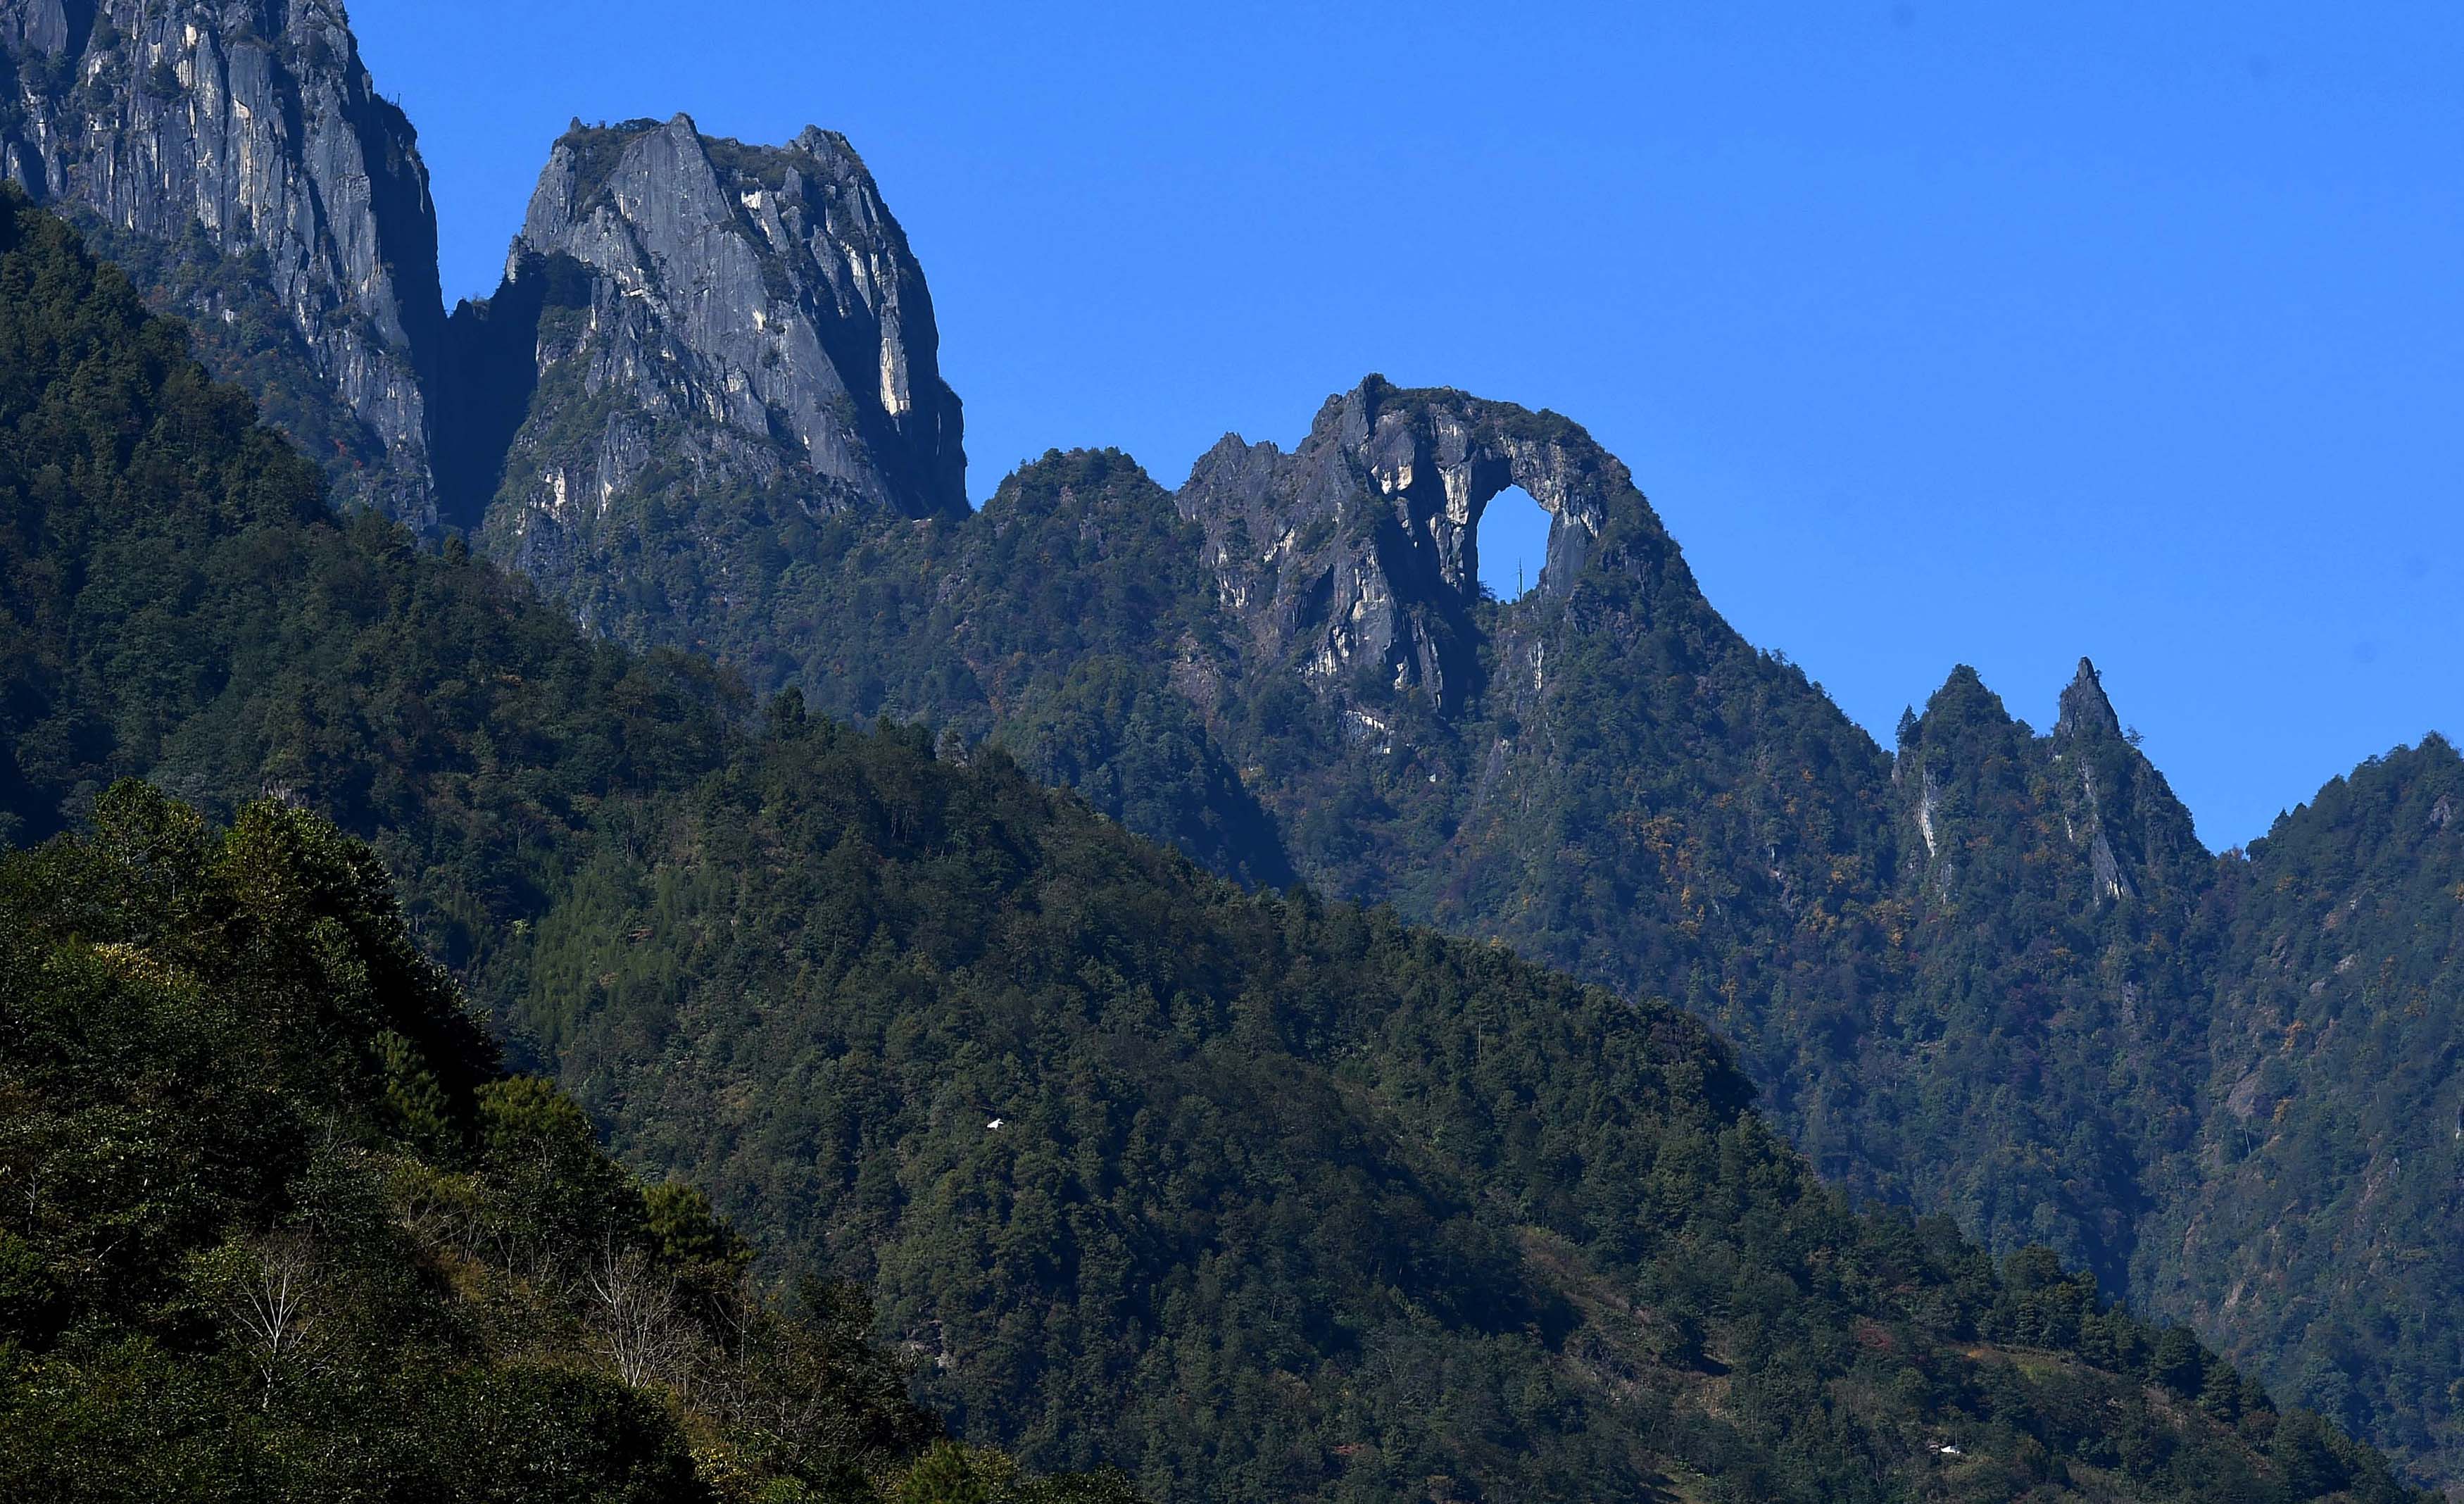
(1283, 669)
(1418, 1216)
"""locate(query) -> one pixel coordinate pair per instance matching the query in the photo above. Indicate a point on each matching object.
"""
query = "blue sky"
(1937, 333)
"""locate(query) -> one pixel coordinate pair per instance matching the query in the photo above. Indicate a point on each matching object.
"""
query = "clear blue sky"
(1937, 333)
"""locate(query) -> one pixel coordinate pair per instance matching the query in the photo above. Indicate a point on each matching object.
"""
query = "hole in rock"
(1512, 543)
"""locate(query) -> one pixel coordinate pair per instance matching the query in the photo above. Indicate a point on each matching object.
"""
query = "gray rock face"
(714, 321)
(2139, 837)
(236, 158)
(2085, 708)
(1357, 553)
(701, 348)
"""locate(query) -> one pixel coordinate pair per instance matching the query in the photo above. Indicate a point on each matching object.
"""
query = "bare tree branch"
(273, 1305)
(633, 1312)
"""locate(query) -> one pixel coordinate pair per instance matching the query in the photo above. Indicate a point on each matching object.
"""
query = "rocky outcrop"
(2097, 822)
(709, 325)
(1357, 555)
(2138, 839)
(701, 351)
(237, 159)
(723, 327)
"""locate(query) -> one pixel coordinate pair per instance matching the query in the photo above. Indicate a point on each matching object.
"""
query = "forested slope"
(180, 604)
(1316, 1203)
(1991, 972)
(2319, 1230)
(1287, 1199)
(279, 1228)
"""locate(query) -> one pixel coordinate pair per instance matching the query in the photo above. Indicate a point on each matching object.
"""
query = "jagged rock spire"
(2117, 806)
(702, 340)
(2085, 707)
(759, 305)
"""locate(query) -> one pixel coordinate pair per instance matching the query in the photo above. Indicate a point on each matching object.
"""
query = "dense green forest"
(1286, 1197)
(1667, 811)
(1036, 623)
(2330, 1122)
(1318, 1205)
(1991, 972)
(279, 1227)
(182, 605)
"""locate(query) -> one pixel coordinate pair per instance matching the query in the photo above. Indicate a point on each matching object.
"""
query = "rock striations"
(721, 329)
(237, 159)
(738, 326)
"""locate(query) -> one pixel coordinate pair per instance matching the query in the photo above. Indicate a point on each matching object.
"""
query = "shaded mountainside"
(2319, 1236)
(1602, 773)
(2044, 1000)
(1287, 1198)
(1315, 1205)
(1980, 975)
(1069, 621)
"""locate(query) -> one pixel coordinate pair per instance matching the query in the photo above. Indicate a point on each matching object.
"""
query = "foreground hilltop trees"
(1258, 1197)
(279, 1229)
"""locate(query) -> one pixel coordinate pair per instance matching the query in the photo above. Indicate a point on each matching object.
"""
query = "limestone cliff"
(715, 333)
(237, 159)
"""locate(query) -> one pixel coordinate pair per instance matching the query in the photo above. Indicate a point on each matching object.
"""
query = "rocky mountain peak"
(236, 159)
(701, 348)
(763, 297)
(2084, 708)
(2083, 792)
(2118, 807)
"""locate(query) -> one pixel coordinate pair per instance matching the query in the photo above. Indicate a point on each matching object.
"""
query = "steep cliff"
(720, 336)
(1483, 743)
(236, 159)
(693, 335)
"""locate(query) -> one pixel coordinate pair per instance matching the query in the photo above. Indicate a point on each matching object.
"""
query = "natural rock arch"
(1360, 548)
(1442, 455)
